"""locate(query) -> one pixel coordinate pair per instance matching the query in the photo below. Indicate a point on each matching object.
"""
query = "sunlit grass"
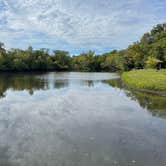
(146, 79)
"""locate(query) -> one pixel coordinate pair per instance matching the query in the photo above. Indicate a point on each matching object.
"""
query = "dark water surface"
(79, 119)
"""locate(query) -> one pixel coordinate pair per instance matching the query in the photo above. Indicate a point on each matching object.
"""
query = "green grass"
(146, 79)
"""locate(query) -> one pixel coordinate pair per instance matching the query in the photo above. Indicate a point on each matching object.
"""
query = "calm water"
(79, 119)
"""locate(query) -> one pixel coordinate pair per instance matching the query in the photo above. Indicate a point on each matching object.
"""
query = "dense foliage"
(149, 52)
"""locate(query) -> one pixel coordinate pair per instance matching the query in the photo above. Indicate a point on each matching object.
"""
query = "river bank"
(152, 81)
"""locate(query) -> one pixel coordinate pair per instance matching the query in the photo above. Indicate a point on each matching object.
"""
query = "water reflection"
(4, 157)
(44, 81)
(154, 103)
(117, 83)
(78, 119)
(61, 84)
(20, 82)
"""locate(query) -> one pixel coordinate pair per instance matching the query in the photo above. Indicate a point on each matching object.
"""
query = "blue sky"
(77, 25)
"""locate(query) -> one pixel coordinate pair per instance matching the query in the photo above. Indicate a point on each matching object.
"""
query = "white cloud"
(82, 24)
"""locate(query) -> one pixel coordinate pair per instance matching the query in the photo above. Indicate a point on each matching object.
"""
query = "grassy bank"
(153, 80)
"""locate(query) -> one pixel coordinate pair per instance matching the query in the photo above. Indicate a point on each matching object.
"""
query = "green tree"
(61, 60)
(152, 62)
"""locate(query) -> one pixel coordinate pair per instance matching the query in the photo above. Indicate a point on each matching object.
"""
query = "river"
(79, 119)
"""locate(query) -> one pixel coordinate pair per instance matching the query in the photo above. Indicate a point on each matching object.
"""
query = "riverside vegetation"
(146, 79)
(149, 52)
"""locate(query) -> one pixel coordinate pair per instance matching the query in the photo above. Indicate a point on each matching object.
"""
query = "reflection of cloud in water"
(87, 126)
(154, 103)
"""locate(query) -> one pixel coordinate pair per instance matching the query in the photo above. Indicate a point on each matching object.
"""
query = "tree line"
(149, 52)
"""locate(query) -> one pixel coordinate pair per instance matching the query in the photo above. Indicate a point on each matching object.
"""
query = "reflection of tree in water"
(2, 93)
(60, 84)
(114, 83)
(154, 103)
(21, 82)
(90, 83)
